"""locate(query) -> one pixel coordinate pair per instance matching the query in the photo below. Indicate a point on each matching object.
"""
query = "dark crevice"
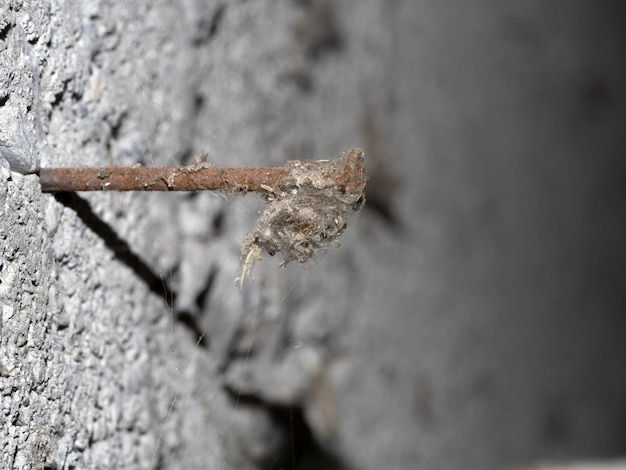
(203, 295)
(317, 31)
(198, 102)
(116, 126)
(58, 96)
(4, 32)
(208, 27)
(190, 321)
(301, 449)
(216, 20)
(218, 223)
(124, 253)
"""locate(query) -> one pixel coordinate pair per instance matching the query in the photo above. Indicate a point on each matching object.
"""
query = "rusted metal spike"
(349, 177)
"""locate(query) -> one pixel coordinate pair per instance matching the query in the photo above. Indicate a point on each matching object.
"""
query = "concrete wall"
(473, 317)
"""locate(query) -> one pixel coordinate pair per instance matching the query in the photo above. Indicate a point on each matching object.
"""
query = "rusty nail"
(190, 178)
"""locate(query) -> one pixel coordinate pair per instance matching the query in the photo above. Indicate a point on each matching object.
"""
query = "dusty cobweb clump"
(307, 211)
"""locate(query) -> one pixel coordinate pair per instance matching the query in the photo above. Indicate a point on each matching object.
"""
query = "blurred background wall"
(472, 319)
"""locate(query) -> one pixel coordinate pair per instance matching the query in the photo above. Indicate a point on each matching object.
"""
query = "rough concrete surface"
(473, 317)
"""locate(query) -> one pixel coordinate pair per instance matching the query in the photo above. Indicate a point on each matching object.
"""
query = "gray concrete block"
(472, 317)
